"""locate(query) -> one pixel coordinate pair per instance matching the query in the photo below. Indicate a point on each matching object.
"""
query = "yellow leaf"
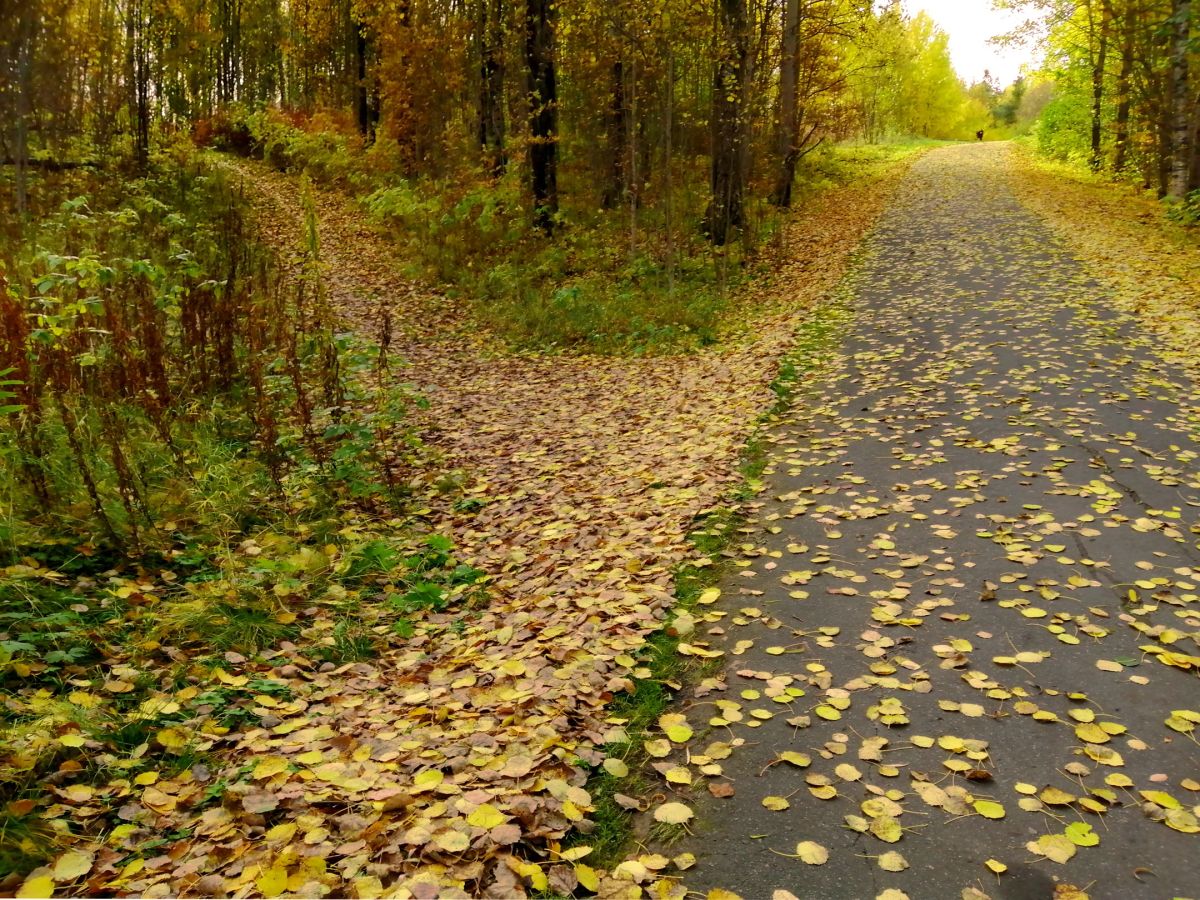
(283, 832)
(1183, 820)
(1091, 733)
(1104, 755)
(72, 739)
(1056, 797)
(1081, 834)
(428, 779)
(996, 866)
(171, 738)
(1159, 798)
(272, 882)
(775, 804)
(658, 748)
(680, 734)
(486, 816)
(1055, 847)
(801, 760)
(989, 809)
(588, 877)
(673, 814)
(847, 772)
(886, 829)
(72, 865)
(36, 886)
(269, 766)
(812, 853)
(616, 768)
(893, 862)
(232, 680)
(452, 841)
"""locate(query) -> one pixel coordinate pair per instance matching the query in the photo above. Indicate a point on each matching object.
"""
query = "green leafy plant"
(9, 409)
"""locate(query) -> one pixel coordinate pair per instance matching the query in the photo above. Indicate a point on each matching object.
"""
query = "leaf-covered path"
(454, 763)
(965, 628)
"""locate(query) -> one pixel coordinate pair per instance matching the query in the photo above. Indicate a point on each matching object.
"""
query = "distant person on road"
(979, 135)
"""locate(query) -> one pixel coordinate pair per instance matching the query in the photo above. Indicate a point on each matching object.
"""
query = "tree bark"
(618, 140)
(1180, 103)
(138, 86)
(1123, 93)
(1194, 178)
(491, 86)
(543, 110)
(787, 126)
(724, 211)
(1100, 62)
(362, 96)
(24, 104)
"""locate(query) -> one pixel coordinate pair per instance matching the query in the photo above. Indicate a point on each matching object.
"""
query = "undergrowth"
(622, 280)
(183, 489)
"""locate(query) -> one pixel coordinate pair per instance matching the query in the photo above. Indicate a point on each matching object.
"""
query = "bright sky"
(970, 23)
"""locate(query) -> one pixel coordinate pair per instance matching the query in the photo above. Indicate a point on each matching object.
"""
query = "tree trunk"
(785, 140)
(491, 85)
(543, 110)
(362, 95)
(668, 200)
(1194, 178)
(1180, 104)
(24, 106)
(724, 211)
(137, 82)
(1098, 85)
(618, 140)
(1123, 93)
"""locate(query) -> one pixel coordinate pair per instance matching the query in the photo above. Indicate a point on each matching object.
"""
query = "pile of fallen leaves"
(1152, 264)
(456, 762)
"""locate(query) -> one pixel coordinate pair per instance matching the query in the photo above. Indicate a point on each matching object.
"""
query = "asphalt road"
(989, 465)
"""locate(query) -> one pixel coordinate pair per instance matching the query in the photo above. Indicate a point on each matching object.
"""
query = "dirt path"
(420, 773)
(973, 601)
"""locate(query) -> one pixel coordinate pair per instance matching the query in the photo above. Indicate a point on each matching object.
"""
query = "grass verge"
(664, 672)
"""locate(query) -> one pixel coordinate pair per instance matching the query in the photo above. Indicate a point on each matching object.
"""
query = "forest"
(386, 392)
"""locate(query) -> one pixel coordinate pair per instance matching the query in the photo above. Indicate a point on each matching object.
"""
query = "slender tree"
(1181, 101)
(787, 125)
(1128, 34)
(543, 109)
(491, 85)
(728, 129)
(1100, 61)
